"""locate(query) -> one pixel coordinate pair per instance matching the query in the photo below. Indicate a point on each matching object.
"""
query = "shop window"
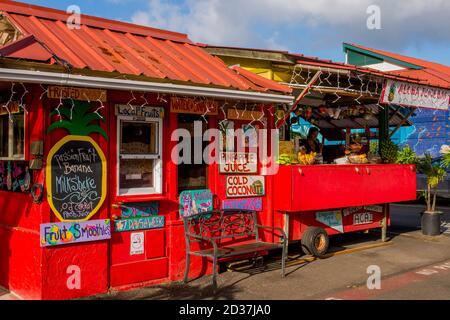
(192, 176)
(12, 136)
(140, 156)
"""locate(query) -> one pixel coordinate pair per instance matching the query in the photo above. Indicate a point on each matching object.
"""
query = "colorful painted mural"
(15, 176)
(430, 130)
(195, 202)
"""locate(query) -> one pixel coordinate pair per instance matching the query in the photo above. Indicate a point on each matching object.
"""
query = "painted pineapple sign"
(76, 165)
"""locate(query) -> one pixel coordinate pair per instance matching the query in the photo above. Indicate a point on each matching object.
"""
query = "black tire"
(315, 241)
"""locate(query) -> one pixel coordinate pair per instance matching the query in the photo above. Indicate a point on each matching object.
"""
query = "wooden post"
(286, 224)
(299, 98)
(383, 118)
(384, 222)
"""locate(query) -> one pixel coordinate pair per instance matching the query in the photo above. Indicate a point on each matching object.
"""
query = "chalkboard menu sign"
(76, 178)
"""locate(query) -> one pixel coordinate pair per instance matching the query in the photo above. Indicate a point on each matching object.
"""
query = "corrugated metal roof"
(113, 46)
(431, 73)
(263, 82)
(323, 63)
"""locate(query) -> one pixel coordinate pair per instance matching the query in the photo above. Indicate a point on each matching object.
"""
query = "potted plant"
(445, 151)
(407, 156)
(431, 218)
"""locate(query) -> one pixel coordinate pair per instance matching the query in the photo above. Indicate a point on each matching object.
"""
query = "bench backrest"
(221, 224)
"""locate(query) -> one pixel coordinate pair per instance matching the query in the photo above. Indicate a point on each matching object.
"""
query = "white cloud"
(405, 23)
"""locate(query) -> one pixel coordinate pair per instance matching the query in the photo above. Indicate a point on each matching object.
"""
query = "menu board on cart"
(76, 178)
(238, 163)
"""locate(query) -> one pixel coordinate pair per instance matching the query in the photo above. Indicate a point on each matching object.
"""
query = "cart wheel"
(315, 242)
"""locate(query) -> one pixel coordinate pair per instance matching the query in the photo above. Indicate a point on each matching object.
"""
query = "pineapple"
(76, 165)
(78, 120)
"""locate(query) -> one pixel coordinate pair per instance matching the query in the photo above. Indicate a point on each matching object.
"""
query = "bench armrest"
(208, 239)
(281, 235)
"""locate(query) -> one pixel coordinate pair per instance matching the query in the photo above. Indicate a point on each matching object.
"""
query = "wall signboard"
(238, 163)
(245, 186)
(193, 106)
(251, 204)
(76, 178)
(81, 94)
(135, 224)
(193, 202)
(61, 233)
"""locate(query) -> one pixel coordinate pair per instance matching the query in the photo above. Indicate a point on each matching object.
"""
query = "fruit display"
(307, 159)
(358, 159)
(287, 159)
(389, 151)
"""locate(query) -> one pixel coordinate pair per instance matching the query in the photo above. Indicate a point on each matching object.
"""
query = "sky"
(417, 28)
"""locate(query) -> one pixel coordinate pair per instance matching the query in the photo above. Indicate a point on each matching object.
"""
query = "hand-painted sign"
(363, 218)
(375, 209)
(13, 107)
(139, 111)
(82, 94)
(245, 115)
(245, 186)
(76, 178)
(192, 106)
(332, 219)
(136, 224)
(137, 243)
(195, 202)
(238, 162)
(15, 176)
(414, 95)
(139, 210)
(55, 234)
(252, 204)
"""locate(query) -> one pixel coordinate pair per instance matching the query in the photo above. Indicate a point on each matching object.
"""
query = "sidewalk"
(320, 279)
(6, 295)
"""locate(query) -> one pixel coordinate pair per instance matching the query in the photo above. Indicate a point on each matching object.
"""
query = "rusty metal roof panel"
(113, 46)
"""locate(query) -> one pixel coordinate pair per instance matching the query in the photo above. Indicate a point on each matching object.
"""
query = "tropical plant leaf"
(446, 160)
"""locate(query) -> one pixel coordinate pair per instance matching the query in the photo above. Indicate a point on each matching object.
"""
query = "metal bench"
(213, 227)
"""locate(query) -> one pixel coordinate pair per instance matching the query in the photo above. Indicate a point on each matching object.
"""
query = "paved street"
(412, 267)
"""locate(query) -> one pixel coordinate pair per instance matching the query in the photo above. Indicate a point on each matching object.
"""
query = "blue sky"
(419, 28)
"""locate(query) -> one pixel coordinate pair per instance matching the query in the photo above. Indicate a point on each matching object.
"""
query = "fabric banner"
(414, 95)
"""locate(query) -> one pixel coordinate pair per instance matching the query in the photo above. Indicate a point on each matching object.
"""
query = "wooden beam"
(405, 119)
(299, 98)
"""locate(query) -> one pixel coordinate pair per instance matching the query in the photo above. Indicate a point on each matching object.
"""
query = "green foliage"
(76, 118)
(446, 160)
(373, 147)
(286, 159)
(407, 156)
(435, 174)
(388, 151)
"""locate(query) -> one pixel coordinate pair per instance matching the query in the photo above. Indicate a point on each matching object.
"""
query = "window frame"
(158, 157)
(11, 156)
